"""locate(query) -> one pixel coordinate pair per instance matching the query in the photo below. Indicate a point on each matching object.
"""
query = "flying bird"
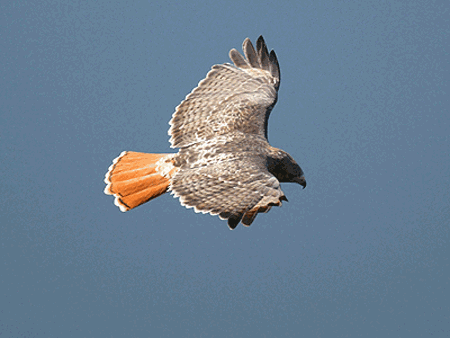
(225, 165)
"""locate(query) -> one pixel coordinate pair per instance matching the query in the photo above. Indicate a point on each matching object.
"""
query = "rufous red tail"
(135, 178)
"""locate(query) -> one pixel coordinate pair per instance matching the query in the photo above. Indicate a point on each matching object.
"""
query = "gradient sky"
(363, 107)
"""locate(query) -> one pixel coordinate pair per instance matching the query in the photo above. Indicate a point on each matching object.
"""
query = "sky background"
(363, 107)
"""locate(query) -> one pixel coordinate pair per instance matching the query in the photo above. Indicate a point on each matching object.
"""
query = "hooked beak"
(301, 181)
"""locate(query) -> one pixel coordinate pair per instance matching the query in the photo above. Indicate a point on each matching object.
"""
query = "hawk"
(225, 165)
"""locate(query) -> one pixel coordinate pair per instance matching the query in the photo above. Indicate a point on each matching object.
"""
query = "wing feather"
(238, 59)
(236, 189)
(263, 53)
(230, 98)
(274, 67)
(250, 53)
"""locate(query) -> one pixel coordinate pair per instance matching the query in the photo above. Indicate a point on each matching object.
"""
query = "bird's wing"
(227, 178)
(232, 98)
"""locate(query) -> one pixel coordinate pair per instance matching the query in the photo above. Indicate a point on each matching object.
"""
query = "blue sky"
(363, 108)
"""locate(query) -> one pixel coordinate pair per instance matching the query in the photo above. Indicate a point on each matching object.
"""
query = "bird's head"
(285, 169)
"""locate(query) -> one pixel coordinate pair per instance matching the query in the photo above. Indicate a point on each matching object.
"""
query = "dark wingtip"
(250, 53)
(260, 42)
(274, 65)
(263, 53)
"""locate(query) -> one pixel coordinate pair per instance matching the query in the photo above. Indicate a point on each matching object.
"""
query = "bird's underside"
(225, 165)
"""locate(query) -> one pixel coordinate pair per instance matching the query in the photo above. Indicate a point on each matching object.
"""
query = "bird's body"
(225, 165)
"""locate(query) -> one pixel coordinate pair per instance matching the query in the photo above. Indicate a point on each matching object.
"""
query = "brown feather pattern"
(225, 165)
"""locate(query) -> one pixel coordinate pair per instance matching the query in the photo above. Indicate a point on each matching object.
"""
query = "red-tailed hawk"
(225, 165)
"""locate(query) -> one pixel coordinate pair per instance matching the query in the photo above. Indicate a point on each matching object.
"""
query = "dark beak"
(302, 181)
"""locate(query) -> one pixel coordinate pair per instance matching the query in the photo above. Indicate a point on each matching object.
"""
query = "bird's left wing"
(236, 186)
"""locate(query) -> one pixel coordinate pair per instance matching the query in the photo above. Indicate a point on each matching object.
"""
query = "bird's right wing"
(230, 98)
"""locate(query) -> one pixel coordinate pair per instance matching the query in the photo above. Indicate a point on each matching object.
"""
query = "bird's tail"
(135, 178)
